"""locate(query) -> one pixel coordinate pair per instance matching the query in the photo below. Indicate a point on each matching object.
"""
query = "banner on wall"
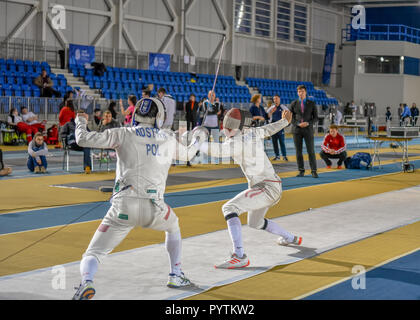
(80, 55)
(328, 63)
(159, 62)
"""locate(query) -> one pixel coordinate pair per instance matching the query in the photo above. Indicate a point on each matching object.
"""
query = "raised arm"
(273, 128)
(109, 139)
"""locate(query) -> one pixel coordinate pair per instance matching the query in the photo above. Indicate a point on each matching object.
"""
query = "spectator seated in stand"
(38, 150)
(32, 120)
(15, 121)
(45, 85)
(4, 171)
(68, 136)
(333, 147)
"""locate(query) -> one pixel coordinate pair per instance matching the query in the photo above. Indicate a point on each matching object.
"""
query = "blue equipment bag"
(360, 160)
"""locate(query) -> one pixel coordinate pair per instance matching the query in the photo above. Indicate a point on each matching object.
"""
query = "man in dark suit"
(191, 113)
(305, 115)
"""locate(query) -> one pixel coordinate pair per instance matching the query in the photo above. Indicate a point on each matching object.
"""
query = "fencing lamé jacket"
(247, 150)
(144, 156)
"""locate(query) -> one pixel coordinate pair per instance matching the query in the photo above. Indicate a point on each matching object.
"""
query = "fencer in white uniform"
(246, 146)
(144, 156)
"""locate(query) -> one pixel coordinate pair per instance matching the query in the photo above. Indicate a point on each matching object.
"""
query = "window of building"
(263, 18)
(379, 64)
(300, 23)
(283, 20)
(243, 16)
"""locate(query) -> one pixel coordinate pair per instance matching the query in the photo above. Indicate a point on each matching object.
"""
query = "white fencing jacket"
(247, 150)
(144, 156)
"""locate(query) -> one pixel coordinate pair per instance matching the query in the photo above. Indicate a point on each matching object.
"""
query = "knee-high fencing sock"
(235, 231)
(88, 268)
(173, 246)
(274, 228)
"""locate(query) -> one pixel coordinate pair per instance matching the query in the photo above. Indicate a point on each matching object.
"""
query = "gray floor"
(141, 274)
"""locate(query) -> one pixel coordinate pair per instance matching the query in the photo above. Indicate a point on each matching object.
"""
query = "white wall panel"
(83, 28)
(324, 26)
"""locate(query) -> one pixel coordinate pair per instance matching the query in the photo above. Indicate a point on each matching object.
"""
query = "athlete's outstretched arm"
(109, 139)
(273, 128)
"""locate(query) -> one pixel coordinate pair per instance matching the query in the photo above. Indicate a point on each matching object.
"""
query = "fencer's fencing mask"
(236, 120)
(149, 111)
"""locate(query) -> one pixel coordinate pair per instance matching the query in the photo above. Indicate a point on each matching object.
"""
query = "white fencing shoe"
(234, 262)
(85, 291)
(283, 242)
(176, 281)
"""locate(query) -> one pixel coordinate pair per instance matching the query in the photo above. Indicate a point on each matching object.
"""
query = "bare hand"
(304, 125)
(287, 115)
(39, 162)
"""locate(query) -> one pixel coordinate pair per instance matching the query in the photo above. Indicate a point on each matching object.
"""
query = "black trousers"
(49, 92)
(306, 134)
(191, 123)
(326, 157)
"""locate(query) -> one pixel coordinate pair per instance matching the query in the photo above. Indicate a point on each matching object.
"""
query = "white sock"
(274, 228)
(173, 246)
(88, 268)
(235, 231)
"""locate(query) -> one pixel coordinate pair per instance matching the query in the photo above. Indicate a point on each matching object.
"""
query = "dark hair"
(11, 111)
(302, 87)
(162, 90)
(67, 95)
(277, 95)
(147, 92)
(70, 104)
(132, 99)
(111, 108)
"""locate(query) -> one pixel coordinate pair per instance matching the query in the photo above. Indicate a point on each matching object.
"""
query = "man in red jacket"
(333, 147)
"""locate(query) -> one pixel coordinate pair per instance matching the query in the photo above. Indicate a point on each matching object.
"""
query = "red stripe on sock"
(168, 213)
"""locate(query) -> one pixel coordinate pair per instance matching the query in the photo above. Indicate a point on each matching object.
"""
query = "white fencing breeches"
(256, 201)
(123, 216)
